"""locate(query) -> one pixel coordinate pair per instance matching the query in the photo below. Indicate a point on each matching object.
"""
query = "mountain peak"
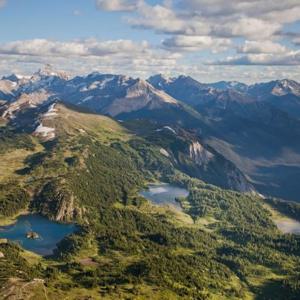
(12, 77)
(49, 71)
(286, 86)
(159, 80)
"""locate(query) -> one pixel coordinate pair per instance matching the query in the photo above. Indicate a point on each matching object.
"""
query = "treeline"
(10, 139)
(288, 208)
(13, 198)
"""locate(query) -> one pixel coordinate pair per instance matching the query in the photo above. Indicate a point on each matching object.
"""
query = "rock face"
(199, 154)
(66, 209)
(2, 255)
(57, 203)
(23, 102)
(138, 96)
(214, 168)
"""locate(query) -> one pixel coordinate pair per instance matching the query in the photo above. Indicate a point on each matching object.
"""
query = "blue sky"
(245, 40)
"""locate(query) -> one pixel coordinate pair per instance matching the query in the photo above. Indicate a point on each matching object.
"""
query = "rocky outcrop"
(57, 203)
(25, 101)
(238, 181)
(199, 154)
(138, 96)
(32, 235)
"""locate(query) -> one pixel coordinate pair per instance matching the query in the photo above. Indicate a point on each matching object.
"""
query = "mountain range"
(253, 130)
(85, 150)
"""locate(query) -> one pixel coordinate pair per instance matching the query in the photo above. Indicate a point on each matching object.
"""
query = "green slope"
(222, 246)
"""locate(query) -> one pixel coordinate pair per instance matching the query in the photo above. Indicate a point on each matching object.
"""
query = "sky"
(210, 40)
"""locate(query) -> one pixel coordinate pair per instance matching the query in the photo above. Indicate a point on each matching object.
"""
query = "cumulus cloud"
(291, 58)
(159, 18)
(89, 47)
(249, 19)
(249, 8)
(251, 28)
(245, 18)
(196, 43)
(83, 56)
(118, 5)
(256, 47)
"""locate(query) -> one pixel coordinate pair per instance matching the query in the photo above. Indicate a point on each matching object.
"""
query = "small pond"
(164, 194)
(49, 233)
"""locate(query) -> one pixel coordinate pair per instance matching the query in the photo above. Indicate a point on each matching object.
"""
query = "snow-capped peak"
(286, 86)
(48, 71)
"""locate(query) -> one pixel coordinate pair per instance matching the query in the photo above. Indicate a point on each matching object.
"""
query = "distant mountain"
(276, 88)
(190, 155)
(255, 128)
(227, 85)
(115, 94)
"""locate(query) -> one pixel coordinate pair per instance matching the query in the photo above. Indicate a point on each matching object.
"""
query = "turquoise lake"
(50, 233)
(164, 194)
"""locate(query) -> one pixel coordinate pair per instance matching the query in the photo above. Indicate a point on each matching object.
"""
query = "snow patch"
(52, 111)
(46, 132)
(164, 152)
(87, 99)
(168, 128)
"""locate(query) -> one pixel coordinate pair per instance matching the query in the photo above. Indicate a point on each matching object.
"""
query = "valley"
(109, 172)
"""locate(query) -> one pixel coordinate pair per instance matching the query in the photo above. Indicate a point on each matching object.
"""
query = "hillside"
(256, 127)
(88, 169)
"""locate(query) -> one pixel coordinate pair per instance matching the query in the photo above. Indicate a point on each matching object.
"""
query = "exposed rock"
(32, 235)
(164, 152)
(199, 154)
(57, 202)
(2, 255)
(25, 101)
(138, 96)
(239, 182)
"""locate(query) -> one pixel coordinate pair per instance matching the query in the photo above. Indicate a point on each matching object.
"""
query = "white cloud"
(262, 47)
(291, 58)
(249, 19)
(118, 5)
(84, 56)
(250, 28)
(159, 18)
(169, 65)
(196, 43)
(89, 47)
(267, 9)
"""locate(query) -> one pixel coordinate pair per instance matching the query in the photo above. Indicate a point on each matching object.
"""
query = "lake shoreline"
(46, 234)
(284, 224)
(164, 194)
(7, 221)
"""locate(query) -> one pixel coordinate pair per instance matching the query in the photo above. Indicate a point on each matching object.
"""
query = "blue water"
(164, 194)
(50, 233)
